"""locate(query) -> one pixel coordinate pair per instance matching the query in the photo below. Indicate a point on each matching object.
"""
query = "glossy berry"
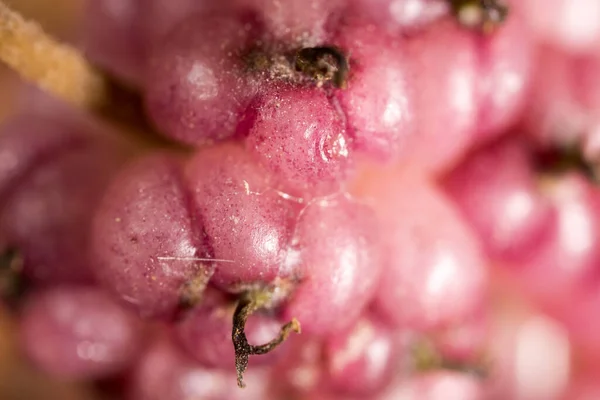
(76, 332)
(148, 243)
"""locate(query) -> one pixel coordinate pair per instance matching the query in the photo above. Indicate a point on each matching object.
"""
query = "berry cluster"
(352, 171)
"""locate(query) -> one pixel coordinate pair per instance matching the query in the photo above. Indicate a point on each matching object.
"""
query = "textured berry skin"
(299, 136)
(147, 238)
(76, 332)
(195, 91)
(248, 223)
(336, 252)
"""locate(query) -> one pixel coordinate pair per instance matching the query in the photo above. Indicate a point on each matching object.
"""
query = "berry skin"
(437, 386)
(497, 191)
(148, 243)
(362, 360)
(432, 260)
(378, 101)
(444, 64)
(247, 221)
(401, 16)
(296, 22)
(194, 87)
(46, 196)
(77, 332)
(337, 258)
(166, 373)
(299, 136)
(254, 232)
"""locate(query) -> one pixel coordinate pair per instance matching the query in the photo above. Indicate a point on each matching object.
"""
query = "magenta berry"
(77, 332)
(247, 221)
(423, 253)
(194, 88)
(148, 242)
(336, 254)
(46, 195)
(299, 135)
(379, 99)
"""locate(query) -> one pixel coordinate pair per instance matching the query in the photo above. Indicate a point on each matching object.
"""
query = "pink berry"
(53, 169)
(402, 15)
(506, 69)
(295, 22)
(522, 347)
(75, 332)
(566, 265)
(571, 25)
(445, 67)
(157, 17)
(194, 88)
(335, 251)
(379, 102)
(299, 136)
(148, 243)
(433, 271)
(166, 373)
(364, 359)
(437, 386)
(497, 191)
(247, 221)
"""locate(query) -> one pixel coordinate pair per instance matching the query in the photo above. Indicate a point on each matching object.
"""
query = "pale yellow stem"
(53, 66)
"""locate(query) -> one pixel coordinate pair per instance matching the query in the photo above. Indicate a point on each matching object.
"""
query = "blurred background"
(18, 380)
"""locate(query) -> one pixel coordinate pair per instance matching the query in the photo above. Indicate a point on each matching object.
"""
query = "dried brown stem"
(12, 282)
(247, 305)
(427, 358)
(484, 15)
(55, 67)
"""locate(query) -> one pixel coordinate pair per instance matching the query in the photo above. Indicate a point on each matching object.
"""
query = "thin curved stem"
(243, 350)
